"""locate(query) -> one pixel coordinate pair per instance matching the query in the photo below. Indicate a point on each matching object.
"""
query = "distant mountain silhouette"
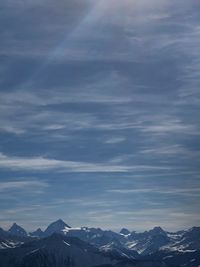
(125, 248)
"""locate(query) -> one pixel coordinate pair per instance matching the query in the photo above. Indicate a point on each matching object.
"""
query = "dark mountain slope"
(60, 251)
(17, 230)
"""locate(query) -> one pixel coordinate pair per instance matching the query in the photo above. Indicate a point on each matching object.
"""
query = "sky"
(99, 113)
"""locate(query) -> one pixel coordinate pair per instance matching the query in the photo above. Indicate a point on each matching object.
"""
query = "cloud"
(115, 140)
(188, 192)
(170, 126)
(101, 87)
(16, 185)
(44, 164)
(11, 129)
(172, 151)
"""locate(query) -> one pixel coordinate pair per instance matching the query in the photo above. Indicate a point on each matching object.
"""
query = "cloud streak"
(192, 192)
(45, 164)
(21, 185)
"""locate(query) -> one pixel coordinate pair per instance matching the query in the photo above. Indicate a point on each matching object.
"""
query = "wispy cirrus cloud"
(46, 164)
(115, 140)
(174, 126)
(21, 185)
(192, 192)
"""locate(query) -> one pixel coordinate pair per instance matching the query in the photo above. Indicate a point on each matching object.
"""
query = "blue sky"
(99, 113)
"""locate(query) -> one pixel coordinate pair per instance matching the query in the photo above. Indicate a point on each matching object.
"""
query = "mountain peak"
(56, 227)
(17, 230)
(60, 221)
(158, 230)
(37, 233)
(124, 231)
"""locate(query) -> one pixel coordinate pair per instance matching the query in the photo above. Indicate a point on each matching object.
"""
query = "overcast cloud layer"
(99, 113)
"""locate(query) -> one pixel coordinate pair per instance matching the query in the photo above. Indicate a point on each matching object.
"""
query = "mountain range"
(61, 245)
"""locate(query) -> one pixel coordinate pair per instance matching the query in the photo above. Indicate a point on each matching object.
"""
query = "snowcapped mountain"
(176, 258)
(54, 251)
(37, 233)
(149, 241)
(181, 247)
(56, 227)
(8, 240)
(125, 232)
(17, 230)
(61, 251)
(184, 241)
(95, 236)
(117, 249)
